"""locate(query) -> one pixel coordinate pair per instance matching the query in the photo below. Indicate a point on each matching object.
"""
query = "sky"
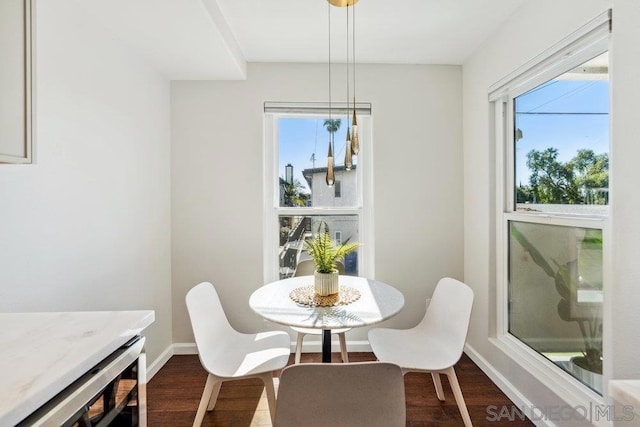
(300, 138)
(565, 114)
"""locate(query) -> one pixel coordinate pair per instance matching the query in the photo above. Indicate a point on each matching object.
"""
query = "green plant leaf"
(324, 253)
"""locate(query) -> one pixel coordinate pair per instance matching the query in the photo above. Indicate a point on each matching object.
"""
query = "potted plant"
(325, 254)
(566, 282)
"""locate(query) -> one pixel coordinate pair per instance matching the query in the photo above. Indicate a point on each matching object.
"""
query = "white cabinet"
(16, 81)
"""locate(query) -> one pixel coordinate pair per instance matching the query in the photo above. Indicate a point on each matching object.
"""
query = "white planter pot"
(326, 283)
(592, 379)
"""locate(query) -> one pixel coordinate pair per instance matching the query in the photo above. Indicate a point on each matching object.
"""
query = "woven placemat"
(306, 295)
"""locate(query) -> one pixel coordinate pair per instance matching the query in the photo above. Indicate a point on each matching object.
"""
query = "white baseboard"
(185, 348)
(503, 384)
(173, 349)
(159, 362)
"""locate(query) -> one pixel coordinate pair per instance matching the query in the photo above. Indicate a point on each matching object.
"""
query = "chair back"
(350, 395)
(210, 325)
(307, 267)
(448, 314)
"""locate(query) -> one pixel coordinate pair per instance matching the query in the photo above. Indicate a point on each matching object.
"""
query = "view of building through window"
(302, 149)
(295, 229)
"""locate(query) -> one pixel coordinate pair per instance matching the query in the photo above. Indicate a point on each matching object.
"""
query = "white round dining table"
(378, 301)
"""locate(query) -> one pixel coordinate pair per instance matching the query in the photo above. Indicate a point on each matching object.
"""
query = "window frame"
(584, 44)
(271, 202)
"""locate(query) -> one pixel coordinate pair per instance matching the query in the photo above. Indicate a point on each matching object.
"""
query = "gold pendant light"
(343, 3)
(331, 178)
(348, 163)
(355, 143)
(347, 144)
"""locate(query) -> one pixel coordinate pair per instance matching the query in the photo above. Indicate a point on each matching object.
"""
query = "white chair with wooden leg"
(230, 355)
(435, 345)
(306, 268)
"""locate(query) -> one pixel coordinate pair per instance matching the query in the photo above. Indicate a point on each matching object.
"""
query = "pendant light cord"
(353, 28)
(347, 66)
(329, 33)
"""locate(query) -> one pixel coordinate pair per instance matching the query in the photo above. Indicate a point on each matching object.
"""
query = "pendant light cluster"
(352, 145)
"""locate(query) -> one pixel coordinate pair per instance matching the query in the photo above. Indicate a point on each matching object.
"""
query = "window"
(298, 200)
(552, 132)
(561, 142)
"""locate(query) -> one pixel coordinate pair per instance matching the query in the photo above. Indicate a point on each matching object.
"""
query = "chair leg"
(343, 347)
(299, 347)
(214, 395)
(267, 379)
(438, 384)
(457, 392)
(204, 400)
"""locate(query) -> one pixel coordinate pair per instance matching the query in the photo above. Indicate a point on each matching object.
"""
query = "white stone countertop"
(42, 353)
(626, 392)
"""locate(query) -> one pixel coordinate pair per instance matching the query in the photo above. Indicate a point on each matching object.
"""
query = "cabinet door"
(16, 136)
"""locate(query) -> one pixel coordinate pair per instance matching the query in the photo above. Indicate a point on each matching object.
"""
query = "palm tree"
(332, 125)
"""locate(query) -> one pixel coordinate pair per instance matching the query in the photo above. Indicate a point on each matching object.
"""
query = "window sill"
(574, 393)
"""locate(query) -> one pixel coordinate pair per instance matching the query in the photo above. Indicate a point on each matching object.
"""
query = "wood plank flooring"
(174, 393)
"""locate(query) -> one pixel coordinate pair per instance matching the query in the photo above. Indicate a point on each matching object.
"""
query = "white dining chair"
(435, 345)
(366, 394)
(230, 355)
(306, 268)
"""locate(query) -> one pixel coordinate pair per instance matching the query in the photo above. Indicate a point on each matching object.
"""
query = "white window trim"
(271, 202)
(584, 44)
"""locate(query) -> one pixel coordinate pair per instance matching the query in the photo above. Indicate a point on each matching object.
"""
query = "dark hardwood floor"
(174, 393)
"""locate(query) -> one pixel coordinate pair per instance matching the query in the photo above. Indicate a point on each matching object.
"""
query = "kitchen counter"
(42, 353)
(626, 395)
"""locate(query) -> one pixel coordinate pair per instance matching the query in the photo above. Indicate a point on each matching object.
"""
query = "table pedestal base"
(326, 346)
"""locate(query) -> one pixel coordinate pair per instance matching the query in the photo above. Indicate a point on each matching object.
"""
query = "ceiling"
(214, 39)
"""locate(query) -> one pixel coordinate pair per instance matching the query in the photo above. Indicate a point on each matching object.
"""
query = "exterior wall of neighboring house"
(324, 196)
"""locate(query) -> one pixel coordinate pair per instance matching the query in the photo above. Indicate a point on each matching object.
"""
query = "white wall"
(625, 269)
(87, 226)
(217, 146)
(534, 28)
